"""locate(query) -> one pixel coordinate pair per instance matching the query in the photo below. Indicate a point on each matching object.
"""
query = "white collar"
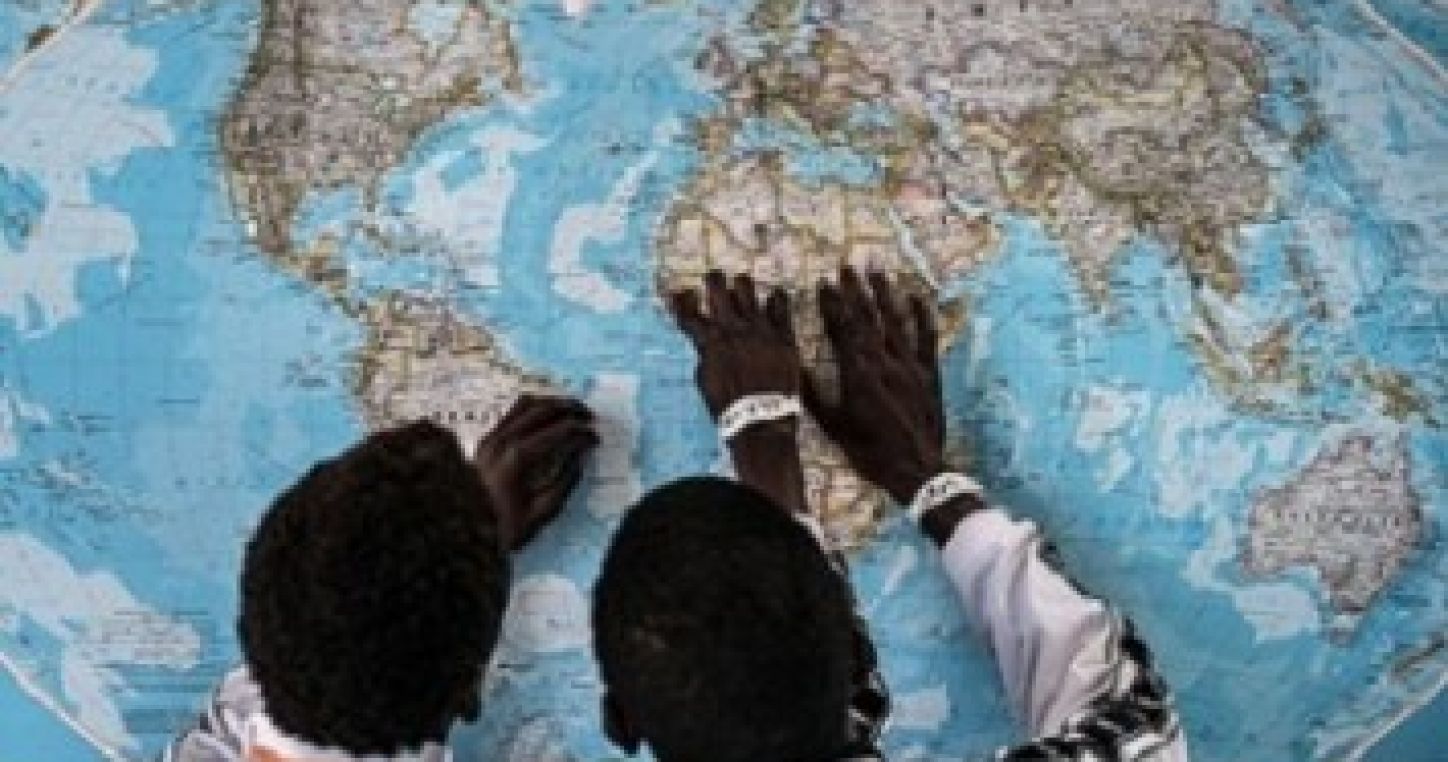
(261, 732)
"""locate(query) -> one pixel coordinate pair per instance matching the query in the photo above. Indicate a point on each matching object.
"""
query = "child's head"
(372, 595)
(722, 631)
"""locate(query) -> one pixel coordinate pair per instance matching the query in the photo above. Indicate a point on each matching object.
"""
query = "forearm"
(1056, 647)
(1050, 641)
(766, 457)
(1066, 658)
(941, 523)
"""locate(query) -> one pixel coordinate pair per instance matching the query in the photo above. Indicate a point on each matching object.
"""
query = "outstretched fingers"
(745, 301)
(927, 343)
(566, 437)
(533, 412)
(927, 334)
(555, 496)
(839, 321)
(780, 313)
(885, 301)
(856, 300)
(722, 308)
(689, 314)
(894, 327)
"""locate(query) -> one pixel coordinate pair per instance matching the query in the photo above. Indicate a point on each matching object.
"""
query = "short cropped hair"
(372, 594)
(722, 627)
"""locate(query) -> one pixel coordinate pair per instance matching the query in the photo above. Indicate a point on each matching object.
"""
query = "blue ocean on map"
(161, 380)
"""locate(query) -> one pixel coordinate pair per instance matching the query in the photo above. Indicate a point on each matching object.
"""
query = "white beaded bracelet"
(941, 490)
(755, 409)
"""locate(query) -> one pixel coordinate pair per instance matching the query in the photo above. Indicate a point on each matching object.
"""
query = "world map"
(1192, 259)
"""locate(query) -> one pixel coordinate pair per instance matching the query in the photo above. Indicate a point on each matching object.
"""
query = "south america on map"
(1190, 260)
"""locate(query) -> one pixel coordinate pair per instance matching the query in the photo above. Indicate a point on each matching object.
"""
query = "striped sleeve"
(217, 735)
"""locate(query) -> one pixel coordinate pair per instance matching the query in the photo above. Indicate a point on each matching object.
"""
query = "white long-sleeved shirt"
(1074, 670)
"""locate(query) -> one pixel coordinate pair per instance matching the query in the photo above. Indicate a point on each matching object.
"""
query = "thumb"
(549, 503)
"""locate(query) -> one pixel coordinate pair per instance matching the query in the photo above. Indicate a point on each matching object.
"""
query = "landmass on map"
(1352, 515)
(750, 216)
(422, 359)
(335, 94)
(38, 36)
(1104, 119)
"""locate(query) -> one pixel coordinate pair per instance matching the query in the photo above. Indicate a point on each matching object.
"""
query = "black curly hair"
(372, 594)
(721, 629)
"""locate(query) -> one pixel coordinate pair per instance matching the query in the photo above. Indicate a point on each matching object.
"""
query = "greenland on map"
(1191, 261)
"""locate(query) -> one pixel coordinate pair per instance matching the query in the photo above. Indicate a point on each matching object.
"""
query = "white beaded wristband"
(755, 409)
(941, 490)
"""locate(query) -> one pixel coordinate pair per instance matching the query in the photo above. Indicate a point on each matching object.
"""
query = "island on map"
(21, 202)
(1352, 515)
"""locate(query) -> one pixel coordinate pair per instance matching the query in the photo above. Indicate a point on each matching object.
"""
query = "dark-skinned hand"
(744, 347)
(890, 418)
(532, 461)
(747, 348)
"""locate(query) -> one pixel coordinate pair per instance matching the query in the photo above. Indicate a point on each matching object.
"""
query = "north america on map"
(1190, 260)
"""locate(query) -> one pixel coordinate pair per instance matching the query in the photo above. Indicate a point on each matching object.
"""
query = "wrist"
(909, 483)
(941, 522)
(766, 457)
(766, 434)
(753, 410)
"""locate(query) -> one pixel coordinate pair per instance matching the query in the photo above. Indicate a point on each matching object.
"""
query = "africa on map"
(1191, 259)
